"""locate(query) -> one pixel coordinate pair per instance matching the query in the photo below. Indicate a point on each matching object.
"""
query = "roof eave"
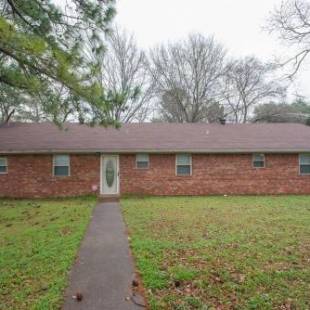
(154, 151)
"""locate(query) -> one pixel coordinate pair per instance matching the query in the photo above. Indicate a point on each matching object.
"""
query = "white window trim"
(253, 157)
(6, 165)
(148, 161)
(190, 164)
(53, 170)
(300, 173)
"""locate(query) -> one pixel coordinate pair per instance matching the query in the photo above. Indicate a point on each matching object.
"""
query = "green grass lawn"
(222, 252)
(38, 243)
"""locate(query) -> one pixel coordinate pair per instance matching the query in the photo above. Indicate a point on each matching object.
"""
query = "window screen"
(304, 163)
(184, 164)
(61, 165)
(3, 165)
(258, 160)
(142, 161)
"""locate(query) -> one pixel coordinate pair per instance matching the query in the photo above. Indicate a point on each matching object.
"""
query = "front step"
(108, 198)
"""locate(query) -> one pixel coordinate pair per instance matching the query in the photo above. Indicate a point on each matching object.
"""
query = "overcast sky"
(236, 23)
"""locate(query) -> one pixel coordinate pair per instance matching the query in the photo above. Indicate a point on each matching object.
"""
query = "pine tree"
(42, 49)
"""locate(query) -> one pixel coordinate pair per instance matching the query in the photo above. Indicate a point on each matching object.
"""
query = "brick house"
(40, 160)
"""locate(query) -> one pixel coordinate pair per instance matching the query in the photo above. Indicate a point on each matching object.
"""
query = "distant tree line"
(295, 112)
(192, 80)
(107, 79)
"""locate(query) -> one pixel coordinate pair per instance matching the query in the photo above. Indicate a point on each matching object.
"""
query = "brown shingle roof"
(155, 137)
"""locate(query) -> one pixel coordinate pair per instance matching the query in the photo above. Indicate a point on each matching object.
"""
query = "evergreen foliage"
(42, 51)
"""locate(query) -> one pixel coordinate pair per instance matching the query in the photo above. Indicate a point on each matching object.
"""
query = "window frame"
(69, 166)
(253, 160)
(6, 165)
(299, 161)
(190, 165)
(148, 161)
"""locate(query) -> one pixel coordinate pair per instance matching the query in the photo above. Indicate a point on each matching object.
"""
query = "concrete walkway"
(104, 270)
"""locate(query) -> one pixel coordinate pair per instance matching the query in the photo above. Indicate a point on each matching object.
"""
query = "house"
(40, 160)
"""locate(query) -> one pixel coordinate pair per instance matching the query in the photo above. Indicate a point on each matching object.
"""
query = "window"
(258, 160)
(304, 163)
(183, 164)
(3, 165)
(61, 165)
(142, 161)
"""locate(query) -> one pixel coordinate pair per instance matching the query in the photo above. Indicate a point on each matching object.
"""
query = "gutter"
(154, 151)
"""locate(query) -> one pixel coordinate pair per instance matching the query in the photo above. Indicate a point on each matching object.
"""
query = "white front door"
(109, 175)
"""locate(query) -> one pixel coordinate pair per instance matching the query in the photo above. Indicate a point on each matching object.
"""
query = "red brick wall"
(215, 174)
(31, 176)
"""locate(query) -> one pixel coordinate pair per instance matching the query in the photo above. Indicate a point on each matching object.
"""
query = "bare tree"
(186, 77)
(123, 72)
(291, 21)
(248, 83)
